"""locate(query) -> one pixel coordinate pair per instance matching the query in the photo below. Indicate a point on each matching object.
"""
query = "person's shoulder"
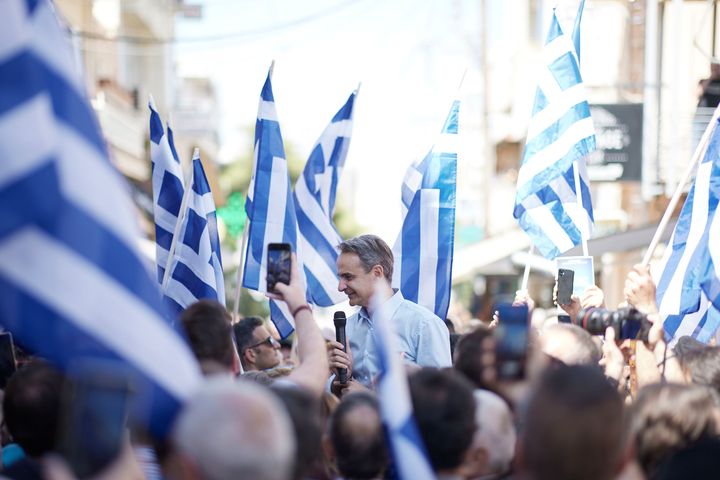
(421, 313)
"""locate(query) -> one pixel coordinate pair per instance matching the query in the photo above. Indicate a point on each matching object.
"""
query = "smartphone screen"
(7, 358)
(565, 286)
(511, 341)
(278, 264)
(95, 416)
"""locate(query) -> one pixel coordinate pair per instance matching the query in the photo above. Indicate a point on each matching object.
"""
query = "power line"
(215, 38)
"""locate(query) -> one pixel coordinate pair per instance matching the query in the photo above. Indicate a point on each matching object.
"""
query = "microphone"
(339, 320)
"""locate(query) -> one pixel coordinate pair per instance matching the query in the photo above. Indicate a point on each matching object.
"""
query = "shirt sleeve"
(433, 344)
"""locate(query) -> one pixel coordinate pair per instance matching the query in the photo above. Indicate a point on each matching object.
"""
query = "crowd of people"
(588, 407)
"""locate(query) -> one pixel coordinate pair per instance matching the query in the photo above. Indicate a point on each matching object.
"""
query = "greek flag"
(314, 205)
(196, 270)
(72, 282)
(269, 205)
(168, 189)
(561, 132)
(424, 249)
(687, 285)
(403, 436)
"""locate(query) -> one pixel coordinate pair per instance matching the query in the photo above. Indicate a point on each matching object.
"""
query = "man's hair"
(31, 407)
(357, 437)
(244, 334)
(703, 364)
(495, 430)
(574, 426)
(307, 421)
(371, 250)
(236, 430)
(669, 417)
(207, 326)
(585, 351)
(444, 406)
(467, 355)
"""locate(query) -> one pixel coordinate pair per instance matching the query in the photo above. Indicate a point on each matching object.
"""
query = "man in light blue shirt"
(365, 268)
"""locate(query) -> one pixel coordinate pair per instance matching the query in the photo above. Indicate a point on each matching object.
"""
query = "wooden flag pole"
(526, 274)
(697, 156)
(240, 270)
(178, 225)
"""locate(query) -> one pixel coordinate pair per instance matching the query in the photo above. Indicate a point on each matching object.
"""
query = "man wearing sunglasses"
(257, 348)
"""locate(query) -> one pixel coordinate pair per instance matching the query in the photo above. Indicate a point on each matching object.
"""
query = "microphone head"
(339, 319)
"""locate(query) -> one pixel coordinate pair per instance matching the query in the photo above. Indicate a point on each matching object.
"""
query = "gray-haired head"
(236, 430)
(495, 431)
(371, 250)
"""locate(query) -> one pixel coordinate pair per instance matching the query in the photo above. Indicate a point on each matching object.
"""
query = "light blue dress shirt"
(422, 338)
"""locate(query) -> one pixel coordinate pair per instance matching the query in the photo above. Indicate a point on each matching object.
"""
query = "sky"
(409, 55)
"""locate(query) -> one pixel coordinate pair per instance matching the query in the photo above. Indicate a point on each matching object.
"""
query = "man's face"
(265, 349)
(355, 282)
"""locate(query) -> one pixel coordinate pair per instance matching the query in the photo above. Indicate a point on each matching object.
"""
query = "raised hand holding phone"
(278, 265)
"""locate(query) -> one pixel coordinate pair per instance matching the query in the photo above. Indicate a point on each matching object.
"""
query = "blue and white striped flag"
(72, 282)
(687, 283)
(168, 188)
(269, 205)
(196, 270)
(424, 249)
(561, 132)
(406, 446)
(314, 205)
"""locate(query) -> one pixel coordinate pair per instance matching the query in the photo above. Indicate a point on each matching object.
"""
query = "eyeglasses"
(270, 341)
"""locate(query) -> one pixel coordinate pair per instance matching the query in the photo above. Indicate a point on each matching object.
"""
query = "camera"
(628, 322)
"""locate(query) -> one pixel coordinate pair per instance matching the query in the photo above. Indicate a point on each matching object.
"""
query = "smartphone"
(8, 365)
(565, 286)
(511, 341)
(278, 265)
(94, 416)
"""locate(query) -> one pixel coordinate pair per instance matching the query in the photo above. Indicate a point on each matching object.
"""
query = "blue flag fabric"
(424, 249)
(403, 437)
(687, 294)
(167, 186)
(314, 196)
(196, 269)
(72, 282)
(269, 206)
(561, 132)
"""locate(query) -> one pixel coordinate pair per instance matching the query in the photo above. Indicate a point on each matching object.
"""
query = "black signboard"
(618, 134)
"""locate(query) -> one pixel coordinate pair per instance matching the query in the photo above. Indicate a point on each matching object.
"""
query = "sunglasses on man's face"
(269, 341)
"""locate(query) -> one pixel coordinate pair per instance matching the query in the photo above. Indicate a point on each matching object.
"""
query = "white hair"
(235, 430)
(495, 430)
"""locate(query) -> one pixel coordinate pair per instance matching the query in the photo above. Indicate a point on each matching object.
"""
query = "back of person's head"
(443, 403)
(244, 334)
(703, 365)
(357, 437)
(698, 461)
(306, 416)
(495, 434)
(207, 325)
(31, 407)
(574, 427)
(371, 250)
(467, 355)
(569, 344)
(235, 430)
(668, 417)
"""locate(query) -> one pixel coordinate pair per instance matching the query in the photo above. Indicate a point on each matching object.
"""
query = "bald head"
(235, 430)
(570, 344)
